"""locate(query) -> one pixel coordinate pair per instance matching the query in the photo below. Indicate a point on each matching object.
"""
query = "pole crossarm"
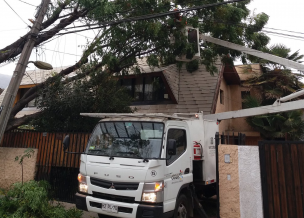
(269, 57)
(270, 109)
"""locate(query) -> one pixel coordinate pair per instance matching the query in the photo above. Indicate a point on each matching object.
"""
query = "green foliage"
(63, 103)
(288, 125)
(151, 37)
(27, 153)
(275, 81)
(192, 66)
(31, 200)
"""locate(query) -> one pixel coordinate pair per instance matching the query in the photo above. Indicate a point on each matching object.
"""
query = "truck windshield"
(127, 139)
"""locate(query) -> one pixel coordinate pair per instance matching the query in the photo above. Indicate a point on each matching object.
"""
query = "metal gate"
(282, 175)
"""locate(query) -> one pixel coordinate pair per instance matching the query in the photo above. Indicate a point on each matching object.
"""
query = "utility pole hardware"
(9, 98)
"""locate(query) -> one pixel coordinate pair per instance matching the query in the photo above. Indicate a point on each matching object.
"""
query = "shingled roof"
(194, 91)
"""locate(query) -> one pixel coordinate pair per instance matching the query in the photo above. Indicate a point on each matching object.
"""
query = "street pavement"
(94, 215)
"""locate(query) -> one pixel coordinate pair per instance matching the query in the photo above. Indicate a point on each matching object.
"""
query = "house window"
(244, 95)
(221, 96)
(146, 88)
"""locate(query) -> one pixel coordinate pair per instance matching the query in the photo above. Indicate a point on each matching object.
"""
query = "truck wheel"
(182, 207)
(105, 216)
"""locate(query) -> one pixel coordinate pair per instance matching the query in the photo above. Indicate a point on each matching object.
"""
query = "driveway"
(94, 215)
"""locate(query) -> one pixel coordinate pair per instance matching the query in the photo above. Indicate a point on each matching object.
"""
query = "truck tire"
(105, 216)
(181, 207)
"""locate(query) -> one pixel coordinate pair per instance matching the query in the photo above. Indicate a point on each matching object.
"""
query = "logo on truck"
(153, 173)
(178, 176)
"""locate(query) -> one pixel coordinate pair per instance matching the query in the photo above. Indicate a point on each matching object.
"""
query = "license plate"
(110, 208)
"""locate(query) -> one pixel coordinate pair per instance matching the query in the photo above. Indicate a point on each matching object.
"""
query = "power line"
(61, 52)
(146, 17)
(299, 37)
(284, 30)
(16, 13)
(27, 3)
(286, 37)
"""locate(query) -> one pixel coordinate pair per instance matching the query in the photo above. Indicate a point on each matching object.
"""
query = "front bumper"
(128, 210)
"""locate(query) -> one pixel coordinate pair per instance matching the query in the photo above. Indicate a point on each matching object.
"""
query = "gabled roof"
(231, 76)
(194, 91)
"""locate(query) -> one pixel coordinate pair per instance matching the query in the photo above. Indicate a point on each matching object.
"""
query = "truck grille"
(115, 185)
(113, 197)
(120, 209)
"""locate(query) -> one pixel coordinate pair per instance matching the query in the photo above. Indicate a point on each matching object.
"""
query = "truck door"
(178, 167)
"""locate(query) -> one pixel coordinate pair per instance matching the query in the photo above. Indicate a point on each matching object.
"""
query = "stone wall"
(240, 183)
(229, 182)
(11, 169)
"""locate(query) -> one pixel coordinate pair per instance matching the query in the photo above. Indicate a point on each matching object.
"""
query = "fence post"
(223, 138)
(217, 142)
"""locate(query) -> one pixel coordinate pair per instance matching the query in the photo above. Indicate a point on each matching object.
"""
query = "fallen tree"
(118, 44)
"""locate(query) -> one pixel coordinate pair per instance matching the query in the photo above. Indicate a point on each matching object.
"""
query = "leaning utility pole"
(9, 98)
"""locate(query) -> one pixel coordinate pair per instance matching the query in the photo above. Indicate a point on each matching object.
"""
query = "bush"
(31, 200)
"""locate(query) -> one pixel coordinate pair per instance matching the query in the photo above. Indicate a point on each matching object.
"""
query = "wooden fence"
(282, 174)
(49, 145)
(53, 165)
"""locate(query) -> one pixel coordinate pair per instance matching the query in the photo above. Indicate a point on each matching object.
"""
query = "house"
(172, 90)
(30, 79)
(184, 92)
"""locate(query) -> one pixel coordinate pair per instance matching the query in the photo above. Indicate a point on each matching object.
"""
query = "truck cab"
(145, 167)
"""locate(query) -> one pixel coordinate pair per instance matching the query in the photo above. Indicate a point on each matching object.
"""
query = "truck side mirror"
(66, 142)
(171, 146)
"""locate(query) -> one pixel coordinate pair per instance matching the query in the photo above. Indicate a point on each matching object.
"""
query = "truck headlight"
(153, 192)
(83, 187)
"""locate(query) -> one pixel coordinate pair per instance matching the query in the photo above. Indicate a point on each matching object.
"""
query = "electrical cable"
(286, 37)
(151, 16)
(284, 30)
(61, 52)
(16, 13)
(28, 3)
(299, 37)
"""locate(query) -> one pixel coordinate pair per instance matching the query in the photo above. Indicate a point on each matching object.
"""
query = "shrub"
(31, 200)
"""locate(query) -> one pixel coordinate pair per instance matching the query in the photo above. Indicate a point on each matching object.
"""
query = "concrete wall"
(11, 169)
(240, 182)
(250, 182)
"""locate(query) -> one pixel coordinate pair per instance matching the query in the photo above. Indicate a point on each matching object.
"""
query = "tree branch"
(32, 93)
(15, 48)
(15, 122)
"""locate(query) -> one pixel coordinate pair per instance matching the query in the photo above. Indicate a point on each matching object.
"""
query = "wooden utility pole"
(9, 98)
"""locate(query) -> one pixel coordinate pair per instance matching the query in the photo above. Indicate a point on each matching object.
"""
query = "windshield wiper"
(129, 152)
(146, 159)
(97, 150)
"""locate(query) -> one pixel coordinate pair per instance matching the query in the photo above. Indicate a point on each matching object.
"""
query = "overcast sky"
(284, 15)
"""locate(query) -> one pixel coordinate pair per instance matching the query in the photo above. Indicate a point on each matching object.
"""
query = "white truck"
(155, 165)
(147, 166)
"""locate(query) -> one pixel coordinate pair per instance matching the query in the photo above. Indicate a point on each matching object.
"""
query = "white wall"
(251, 204)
